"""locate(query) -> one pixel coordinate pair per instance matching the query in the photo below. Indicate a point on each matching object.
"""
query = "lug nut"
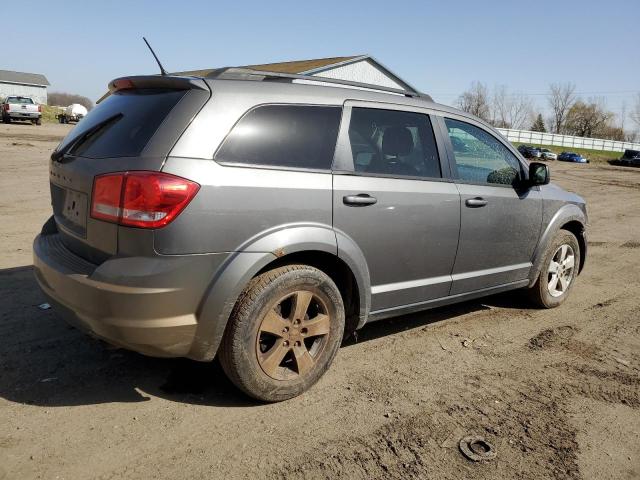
(285, 343)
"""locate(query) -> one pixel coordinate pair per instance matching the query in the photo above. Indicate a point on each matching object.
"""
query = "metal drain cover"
(477, 449)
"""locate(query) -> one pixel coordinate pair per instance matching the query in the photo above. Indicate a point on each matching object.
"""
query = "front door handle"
(475, 202)
(360, 200)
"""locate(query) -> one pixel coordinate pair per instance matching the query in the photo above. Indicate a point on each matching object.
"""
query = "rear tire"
(283, 333)
(6, 119)
(558, 272)
(39, 121)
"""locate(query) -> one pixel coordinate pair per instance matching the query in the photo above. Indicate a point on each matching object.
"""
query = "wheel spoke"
(272, 358)
(304, 360)
(553, 283)
(569, 261)
(553, 267)
(302, 301)
(319, 325)
(274, 324)
(563, 282)
(563, 252)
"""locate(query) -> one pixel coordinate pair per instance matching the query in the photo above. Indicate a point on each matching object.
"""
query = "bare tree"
(623, 115)
(510, 111)
(476, 101)
(590, 120)
(561, 99)
(63, 99)
(635, 111)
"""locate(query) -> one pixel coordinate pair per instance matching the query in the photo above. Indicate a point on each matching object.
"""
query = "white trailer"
(73, 113)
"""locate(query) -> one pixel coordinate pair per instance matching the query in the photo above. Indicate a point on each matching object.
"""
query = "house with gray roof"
(32, 85)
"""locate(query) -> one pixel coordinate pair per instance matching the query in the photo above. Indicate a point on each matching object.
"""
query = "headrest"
(397, 141)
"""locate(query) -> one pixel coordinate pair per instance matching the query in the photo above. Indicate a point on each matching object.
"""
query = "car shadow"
(45, 362)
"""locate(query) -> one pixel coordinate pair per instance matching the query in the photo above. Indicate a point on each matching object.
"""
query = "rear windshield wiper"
(57, 155)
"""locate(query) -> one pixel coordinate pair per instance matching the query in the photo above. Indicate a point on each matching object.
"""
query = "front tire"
(284, 332)
(559, 271)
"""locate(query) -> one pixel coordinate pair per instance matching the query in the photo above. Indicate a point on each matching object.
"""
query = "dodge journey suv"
(260, 218)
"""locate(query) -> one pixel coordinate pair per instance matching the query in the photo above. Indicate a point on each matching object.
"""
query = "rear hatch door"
(134, 128)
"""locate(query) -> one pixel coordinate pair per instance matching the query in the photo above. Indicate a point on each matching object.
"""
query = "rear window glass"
(20, 100)
(290, 136)
(122, 124)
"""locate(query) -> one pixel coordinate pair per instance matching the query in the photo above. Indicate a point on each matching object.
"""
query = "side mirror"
(538, 174)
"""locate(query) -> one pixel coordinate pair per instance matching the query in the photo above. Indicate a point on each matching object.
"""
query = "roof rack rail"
(236, 73)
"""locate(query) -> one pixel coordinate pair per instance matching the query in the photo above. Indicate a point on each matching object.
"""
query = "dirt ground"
(557, 392)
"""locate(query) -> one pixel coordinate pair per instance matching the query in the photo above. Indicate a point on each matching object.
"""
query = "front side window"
(392, 142)
(480, 157)
(290, 136)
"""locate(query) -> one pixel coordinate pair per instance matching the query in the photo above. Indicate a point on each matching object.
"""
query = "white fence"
(525, 136)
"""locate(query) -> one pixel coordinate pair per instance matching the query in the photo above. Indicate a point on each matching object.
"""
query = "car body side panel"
(497, 241)
(236, 205)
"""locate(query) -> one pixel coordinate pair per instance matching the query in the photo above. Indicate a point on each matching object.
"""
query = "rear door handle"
(360, 200)
(475, 202)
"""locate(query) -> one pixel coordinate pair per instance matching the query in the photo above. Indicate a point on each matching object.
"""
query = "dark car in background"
(572, 157)
(630, 158)
(528, 151)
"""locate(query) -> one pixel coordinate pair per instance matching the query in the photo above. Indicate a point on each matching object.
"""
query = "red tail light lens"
(40, 108)
(6, 107)
(140, 199)
(123, 84)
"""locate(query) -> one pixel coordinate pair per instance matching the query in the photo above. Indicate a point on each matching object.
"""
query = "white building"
(32, 85)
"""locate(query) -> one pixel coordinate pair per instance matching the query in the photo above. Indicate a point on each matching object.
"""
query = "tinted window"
(480, 157)
(122, 124)
(393, 143)
(293, 136)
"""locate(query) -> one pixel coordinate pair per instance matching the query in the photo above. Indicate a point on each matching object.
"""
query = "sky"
(439, 47)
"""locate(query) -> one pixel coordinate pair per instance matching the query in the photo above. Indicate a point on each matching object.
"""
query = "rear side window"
(122, 124)
(392, 142)
(290, 136)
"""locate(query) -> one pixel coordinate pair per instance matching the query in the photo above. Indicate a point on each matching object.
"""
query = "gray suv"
(261, 217)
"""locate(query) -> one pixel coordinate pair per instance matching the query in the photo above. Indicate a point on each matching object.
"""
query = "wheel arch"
(312, 244)
(571, 218)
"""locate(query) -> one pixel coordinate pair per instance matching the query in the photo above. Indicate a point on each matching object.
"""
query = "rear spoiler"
(154, 81)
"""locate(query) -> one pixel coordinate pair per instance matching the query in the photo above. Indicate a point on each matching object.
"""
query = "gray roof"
(23, 78)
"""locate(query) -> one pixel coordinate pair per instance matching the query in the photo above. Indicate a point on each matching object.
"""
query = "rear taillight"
(6, 107)
(40, 108)
(140, 199)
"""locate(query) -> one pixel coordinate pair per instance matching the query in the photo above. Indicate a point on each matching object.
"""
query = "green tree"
(538, 125)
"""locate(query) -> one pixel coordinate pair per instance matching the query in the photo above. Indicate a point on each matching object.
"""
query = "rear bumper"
(145, 304)
(23, 115)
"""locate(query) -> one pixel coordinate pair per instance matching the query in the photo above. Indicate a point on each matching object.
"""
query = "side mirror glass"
(538, 174)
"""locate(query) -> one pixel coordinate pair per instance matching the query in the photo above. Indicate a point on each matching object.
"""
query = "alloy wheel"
(292, 335)
(561, 270)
